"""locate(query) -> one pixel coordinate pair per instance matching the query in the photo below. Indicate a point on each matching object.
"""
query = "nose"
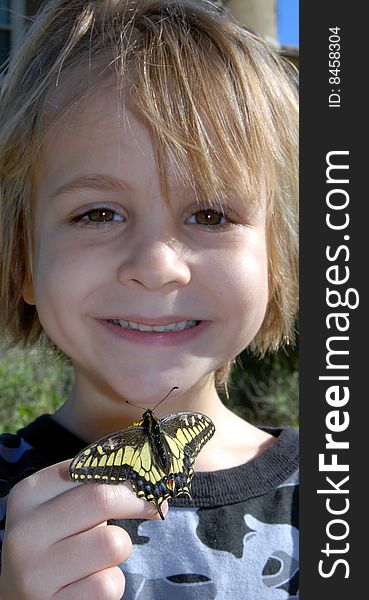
(155, 264)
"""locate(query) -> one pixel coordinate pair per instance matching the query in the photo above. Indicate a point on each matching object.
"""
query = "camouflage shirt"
(237, 539)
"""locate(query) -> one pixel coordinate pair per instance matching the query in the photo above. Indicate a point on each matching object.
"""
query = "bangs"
(211, 94)
(200, 87)
(182, 87)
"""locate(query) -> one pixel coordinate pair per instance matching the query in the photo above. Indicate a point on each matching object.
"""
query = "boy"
(148, 165)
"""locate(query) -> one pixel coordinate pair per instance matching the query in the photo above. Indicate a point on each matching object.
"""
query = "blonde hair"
(218, 99)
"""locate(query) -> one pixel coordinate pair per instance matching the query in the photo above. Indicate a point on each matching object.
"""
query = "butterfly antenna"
(136, 405)
(165, 397)
(143, 408)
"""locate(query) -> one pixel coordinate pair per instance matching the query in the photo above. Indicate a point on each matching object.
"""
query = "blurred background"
(263, 391)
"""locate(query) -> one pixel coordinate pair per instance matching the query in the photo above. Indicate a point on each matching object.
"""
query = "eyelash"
(82, 220)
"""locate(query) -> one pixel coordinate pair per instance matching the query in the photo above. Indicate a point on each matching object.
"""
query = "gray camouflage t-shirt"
(238, 538)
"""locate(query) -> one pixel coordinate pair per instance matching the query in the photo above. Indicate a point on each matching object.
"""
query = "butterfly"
(155, 456)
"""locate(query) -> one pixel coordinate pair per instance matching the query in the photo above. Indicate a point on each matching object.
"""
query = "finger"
(86, 553)
(79, 509)
(40, 487)
(90, 504)
(52, 482)
(104, 585)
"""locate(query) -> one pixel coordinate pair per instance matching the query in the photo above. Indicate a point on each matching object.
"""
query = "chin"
(150, 395)
(147, 393)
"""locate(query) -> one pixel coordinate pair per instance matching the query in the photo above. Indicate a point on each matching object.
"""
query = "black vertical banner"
(334, 324)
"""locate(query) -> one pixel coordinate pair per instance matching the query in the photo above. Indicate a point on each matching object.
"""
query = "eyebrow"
(91, 181)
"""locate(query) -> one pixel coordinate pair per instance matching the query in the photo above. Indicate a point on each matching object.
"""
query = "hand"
(57, 544)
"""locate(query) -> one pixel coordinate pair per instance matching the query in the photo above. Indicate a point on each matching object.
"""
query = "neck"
(91, 414)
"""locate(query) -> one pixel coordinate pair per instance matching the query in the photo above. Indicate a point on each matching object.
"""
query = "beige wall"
(259, 15)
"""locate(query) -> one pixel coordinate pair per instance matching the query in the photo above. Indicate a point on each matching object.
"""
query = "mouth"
(164, 331)
(162, 328)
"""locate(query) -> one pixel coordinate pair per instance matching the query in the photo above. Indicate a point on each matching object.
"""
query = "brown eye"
(209, 216)
(100, 215)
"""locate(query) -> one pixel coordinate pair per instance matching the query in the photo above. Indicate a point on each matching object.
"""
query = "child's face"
(113, 250)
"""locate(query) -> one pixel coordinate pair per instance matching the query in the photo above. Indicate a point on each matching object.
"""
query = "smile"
(175, 326)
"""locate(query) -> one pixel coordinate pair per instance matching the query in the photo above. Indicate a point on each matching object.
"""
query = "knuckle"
(19, 529)
(101, 496)
(17, 560)
(14, 539)
(109, 584)
(16, 492)
(115, 543)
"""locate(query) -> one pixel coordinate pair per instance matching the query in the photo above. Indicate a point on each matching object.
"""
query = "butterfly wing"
(133, 455)
(185, 434)
(123, 456)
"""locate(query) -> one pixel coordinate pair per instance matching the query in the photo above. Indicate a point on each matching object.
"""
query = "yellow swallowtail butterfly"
(155, 456)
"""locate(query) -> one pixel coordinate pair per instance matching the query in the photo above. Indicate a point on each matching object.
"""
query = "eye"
(208, 217)
(97, 216)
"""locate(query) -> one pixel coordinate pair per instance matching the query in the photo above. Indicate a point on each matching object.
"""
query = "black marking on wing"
(133, 455)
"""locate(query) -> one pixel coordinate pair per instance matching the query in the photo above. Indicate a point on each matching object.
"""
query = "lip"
(165, 338)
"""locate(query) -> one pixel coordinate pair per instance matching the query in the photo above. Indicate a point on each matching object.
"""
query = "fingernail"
(164, 507)
(162, 510)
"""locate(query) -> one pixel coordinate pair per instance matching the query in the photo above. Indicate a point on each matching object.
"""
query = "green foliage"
(30, 385)
(264, 392)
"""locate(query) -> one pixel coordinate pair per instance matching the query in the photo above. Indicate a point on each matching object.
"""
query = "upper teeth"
(178, 325)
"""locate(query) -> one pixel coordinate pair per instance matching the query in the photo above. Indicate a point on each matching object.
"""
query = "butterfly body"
(155, 456)
(158, 445)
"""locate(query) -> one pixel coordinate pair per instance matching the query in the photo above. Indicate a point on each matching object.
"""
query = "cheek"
(243, 296)
(250, 301)
(62, 277)
(245, 281)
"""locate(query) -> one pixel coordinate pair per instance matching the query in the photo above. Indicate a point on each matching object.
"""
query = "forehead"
(93, 112)
(100, 128)
(101, 133)
(97, 118)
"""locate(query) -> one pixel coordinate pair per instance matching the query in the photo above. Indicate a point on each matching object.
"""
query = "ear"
(28, 290)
